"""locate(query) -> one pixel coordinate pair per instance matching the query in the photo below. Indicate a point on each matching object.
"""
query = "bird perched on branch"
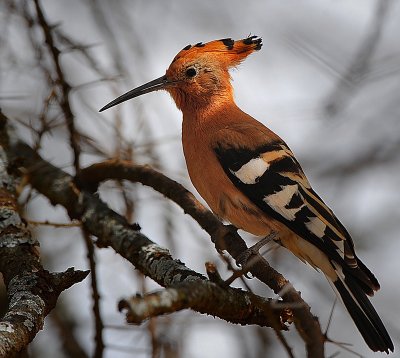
(248, 175)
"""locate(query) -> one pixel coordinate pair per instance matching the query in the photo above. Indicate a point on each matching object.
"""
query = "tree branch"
(98, 321)
(63, 319)
(32, 291)
(360, 64)
(204, 298)
(62, 84)
(113, 230)
(224, 238)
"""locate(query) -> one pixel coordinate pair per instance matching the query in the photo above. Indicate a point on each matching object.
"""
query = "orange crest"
(227, 52)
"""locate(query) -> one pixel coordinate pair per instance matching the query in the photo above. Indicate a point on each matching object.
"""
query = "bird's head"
(199, 74)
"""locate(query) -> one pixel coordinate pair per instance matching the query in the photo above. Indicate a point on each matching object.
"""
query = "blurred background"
(327, 80)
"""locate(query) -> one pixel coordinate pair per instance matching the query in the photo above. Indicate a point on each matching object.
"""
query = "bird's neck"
(207, 108)
(208, 119)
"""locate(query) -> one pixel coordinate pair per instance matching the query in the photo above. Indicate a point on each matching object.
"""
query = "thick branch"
(202, 299)
(307, 325)
(113, 230)
(32, 291)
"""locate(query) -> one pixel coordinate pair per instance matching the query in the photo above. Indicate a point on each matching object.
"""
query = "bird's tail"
(362, 312)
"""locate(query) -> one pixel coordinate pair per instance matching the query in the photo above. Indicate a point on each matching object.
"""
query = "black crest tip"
(253, 40)
(228, 42)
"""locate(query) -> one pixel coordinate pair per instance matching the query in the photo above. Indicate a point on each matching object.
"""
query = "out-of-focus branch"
(64, 322)
(360, 66)
(65, 105)
(61, 82)
(376, 155)
(113, 230)
(54, 224)
(98, 322)
(32, 291)
(226, 239)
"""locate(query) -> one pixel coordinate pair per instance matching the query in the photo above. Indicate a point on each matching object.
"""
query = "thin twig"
(53, 224)
(64, 322)
(99, 326)
(360, 66)
(330, 317)
(63, 84)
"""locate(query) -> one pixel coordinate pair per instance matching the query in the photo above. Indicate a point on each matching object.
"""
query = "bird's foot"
(244, 260)
(223, 234)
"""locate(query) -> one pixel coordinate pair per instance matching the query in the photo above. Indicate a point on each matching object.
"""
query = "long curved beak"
(157, 84)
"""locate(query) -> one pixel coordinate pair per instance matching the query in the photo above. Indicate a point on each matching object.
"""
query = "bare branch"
(360, 66)
(233, 304)
(62, 82)
(53, 224)
(113, 230)
(32, 291)
(63, 319)
(99, 326)
(222, 236)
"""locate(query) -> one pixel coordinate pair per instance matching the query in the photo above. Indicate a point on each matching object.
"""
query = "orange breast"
(210, 180)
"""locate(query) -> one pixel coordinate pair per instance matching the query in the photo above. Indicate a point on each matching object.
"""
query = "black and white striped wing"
(273, 180)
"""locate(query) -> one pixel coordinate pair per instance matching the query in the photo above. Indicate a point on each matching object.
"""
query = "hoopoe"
(248, 175)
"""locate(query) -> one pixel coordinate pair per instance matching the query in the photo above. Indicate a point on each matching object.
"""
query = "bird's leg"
(244, 258)
(222, 234)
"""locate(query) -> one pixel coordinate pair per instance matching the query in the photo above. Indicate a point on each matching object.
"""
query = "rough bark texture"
(224, 238)
(31, 290)
(111, 229)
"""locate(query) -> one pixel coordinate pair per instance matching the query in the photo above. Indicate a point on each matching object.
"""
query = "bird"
(249, 176)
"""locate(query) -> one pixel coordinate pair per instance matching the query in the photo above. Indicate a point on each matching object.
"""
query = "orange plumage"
(249, 176)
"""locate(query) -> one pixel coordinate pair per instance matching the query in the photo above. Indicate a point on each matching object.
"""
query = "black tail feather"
(375, 284)
(364, 315)
(363, 277)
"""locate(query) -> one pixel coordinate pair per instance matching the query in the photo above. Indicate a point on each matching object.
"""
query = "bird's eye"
(191, 72)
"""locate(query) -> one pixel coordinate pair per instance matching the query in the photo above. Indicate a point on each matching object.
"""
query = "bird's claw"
(244, 259)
